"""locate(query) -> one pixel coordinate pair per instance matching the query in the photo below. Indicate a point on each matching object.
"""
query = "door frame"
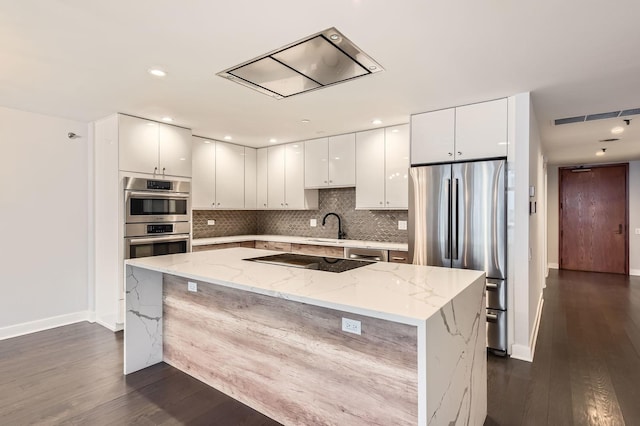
(626, 209)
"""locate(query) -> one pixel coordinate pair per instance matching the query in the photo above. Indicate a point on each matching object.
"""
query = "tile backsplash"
(370, 225)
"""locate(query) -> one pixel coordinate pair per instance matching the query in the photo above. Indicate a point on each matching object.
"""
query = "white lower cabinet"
(382, 168)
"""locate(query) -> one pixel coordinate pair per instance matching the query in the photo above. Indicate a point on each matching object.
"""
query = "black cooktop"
(327, 264)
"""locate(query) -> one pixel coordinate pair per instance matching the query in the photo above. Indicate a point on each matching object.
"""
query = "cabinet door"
(481, 130)
(261, 178)
(203, 182)
(432, 137)
(294, 176)
(370, 169)
(316, 157)
(175, 151)
(275, 177)
(249, 178)
(229, 176)
(342, 160)
(397, 167)
(138, 144)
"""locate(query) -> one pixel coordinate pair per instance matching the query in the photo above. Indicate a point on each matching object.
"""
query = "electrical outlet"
(211, 222)
(637, 231)
(351, 326)
(402, 225)
(191, 286)
(313, 222)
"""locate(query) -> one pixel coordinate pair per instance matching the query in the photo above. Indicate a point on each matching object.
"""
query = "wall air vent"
(599, 116)
(318, 61)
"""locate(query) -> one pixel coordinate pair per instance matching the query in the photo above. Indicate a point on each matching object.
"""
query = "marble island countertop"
(302, 240)
(401, 293)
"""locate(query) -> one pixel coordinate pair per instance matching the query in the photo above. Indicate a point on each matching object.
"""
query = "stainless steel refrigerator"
(457, 219)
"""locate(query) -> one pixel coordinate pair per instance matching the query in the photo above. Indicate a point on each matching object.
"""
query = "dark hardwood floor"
(586, 371)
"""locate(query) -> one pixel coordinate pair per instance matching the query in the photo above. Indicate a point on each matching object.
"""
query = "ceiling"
(86, 59)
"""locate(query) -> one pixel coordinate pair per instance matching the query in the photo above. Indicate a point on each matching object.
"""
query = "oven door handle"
(167, 195)
(136, 241)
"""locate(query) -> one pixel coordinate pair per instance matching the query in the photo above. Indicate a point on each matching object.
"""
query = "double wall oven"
(157, 217)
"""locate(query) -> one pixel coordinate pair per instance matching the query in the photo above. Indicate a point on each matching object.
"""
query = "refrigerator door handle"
(456, 218)
(447, 235)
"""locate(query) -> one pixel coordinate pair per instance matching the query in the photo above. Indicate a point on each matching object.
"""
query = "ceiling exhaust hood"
(317, 61)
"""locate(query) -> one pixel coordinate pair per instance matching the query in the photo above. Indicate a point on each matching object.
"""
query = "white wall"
(634, 217)
(553, 220)
(524, 231)
(44, 212)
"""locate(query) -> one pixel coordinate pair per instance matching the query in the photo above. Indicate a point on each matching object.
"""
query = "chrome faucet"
(341, 234)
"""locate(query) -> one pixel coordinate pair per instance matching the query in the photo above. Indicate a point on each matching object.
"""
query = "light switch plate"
(313, 222)
(402, 225)
(211, 222)
(191, 286)
(637, 231)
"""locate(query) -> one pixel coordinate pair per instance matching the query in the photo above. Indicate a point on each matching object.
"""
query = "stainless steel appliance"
(156, 217)
(366, 254)
(153, 200)
(457, 219)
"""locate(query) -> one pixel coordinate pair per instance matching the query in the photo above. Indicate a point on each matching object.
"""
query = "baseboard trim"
(635, 272)
(43, 324)
(526, 353)
(554, 266)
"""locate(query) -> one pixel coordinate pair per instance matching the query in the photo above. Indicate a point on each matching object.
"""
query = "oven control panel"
(160, 229)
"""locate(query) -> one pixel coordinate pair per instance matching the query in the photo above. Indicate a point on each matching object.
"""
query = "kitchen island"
(272, 336)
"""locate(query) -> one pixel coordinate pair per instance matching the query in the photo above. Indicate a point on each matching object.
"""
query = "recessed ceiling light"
(599, 153)
(376, 122)
(395, 131)
(157, 72)
(206, 141)
(306, 120)
(617, 130)
(167, 119)
(295, 146)
(273, 140)
(228, 138)
(373, 67)
(334, 36)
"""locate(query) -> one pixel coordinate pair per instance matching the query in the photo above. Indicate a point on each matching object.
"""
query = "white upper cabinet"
(342, 160)
(330, 162)
(382, 167)
(463, 133)
(397, 167)
(154, 148)
(229, 176)
(370, 174)
(203, 182)
(432, 136)
(174, 151)
(275, 177)
(316, 159)
(481, 130)
(250, 178)
(284, 179)
(262, 178)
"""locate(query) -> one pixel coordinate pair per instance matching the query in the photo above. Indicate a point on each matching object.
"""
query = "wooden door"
(594, 219)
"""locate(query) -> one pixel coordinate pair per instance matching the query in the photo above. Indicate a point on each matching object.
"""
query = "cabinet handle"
(286, 204)
(155, 170)
(282, 204)
(218, 203)
(387, 202)
(450, 154)
(163, 169)
(459, 153)
(330, 181)
(325, 181)
(265, 204)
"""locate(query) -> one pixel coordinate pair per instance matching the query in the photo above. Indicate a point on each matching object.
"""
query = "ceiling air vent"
(318, 61)
(600, 116)
(609, 140)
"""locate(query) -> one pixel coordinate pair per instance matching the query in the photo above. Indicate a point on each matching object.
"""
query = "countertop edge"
(300, 240)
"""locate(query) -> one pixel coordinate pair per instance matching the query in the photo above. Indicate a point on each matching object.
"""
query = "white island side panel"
(143, 320)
